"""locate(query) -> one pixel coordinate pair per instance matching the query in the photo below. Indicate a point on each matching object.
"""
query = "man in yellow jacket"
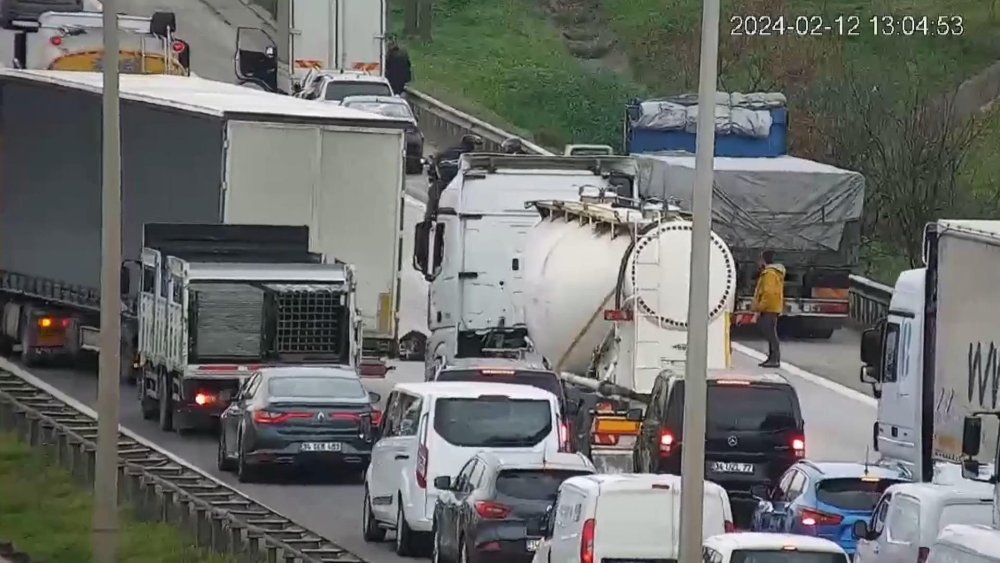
(768, 303)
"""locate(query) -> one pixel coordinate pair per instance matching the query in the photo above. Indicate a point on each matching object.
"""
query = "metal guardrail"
(158, 486)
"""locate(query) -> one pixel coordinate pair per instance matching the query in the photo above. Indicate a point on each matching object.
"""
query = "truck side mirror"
(972, 435)
(871, 347)
(438, 250)
(421, 243)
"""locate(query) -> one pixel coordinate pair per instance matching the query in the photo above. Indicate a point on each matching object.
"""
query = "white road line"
(754, 354)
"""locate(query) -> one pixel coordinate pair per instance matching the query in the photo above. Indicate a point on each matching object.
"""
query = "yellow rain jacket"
(770, 294)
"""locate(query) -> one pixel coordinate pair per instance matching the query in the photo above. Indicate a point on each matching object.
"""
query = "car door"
(868, 548)
(379, 482)
(449, 511)
(232, 417)
(465, 510)
(781, 515)
(648, 446)
(901, 540)
(764, 515)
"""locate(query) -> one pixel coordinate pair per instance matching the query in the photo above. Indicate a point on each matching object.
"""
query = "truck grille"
(310, 321)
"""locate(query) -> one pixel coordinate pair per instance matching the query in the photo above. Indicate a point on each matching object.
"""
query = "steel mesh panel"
(309, 322)
(229, 323)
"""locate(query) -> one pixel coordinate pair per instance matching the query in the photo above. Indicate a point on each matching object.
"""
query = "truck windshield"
(337, 90)
(226, 321)
(786, 556)
(489, 422)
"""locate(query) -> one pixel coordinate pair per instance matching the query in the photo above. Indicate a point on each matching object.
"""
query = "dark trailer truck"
(193, 151)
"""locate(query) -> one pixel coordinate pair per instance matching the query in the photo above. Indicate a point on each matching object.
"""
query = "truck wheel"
(29, 357)
(146, 404)
(6, 346)
(165, 394)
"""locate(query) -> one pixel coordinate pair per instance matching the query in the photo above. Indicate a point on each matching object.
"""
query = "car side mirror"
(442, 483)
(374, 397)
(871, 351)
(972, 435)
(634, 415)
(860, 530)
(269, 51)
(421, 244)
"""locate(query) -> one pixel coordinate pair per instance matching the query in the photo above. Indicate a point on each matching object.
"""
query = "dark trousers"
(768, 325)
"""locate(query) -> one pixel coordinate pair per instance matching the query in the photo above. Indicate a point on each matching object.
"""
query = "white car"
(398, 108)
(334, 86)
(431, 430)
(624, 517)
(755, 547)
(962, 543)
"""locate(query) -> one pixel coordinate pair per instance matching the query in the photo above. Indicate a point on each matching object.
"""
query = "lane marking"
(813, 378)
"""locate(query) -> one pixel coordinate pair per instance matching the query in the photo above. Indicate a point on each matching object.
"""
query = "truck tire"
(147, 405)
(29, 356)
(164, 391)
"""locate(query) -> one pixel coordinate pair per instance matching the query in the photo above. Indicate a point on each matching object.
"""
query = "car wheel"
(370, 530)
(224, 463)
(166, 404)
(404, 535)
(246, 472)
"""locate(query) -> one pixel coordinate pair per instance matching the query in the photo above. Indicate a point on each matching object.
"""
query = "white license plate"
(320, 446)
(533, 544)
(731, 467)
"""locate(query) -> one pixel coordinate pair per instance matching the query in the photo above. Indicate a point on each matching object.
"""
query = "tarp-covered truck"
(193, 151)
(807, 212)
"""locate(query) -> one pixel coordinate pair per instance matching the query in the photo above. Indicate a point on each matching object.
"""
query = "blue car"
(824, 499)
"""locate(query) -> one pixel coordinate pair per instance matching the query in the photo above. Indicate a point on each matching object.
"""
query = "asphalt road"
(838, 421)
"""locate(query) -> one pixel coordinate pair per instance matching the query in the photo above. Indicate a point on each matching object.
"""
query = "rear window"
(316, 387)
(852, 494)
(981, 513)
(533, 484)
(337, 90)
(538, 379)
(493, 422)
(786, 556)
(740, 408)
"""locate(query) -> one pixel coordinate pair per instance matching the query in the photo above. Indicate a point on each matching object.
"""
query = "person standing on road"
(397, 68)
(768, 302)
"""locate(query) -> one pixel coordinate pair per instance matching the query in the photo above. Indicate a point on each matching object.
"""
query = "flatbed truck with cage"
(193, 151)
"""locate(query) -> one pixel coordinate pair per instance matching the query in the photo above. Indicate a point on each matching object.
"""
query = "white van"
(963, 543)
(431, 430)
(627, 516)
(756, 547)
(909, 516)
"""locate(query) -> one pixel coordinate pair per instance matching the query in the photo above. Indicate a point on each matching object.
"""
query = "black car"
(493, 509)
(490, 370)
(297, 416)
(754, 432)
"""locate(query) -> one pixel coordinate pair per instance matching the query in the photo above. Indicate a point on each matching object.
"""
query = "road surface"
(838, 420)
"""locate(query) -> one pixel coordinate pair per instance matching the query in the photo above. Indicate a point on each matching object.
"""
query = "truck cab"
(470, 247)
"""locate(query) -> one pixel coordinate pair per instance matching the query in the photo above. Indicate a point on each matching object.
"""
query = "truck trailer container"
(193, 151)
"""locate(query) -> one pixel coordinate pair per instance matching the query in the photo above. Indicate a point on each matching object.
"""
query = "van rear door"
(637, 523)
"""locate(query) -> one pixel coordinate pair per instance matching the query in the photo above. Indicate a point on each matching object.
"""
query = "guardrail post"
(272, 553)
(203, 527)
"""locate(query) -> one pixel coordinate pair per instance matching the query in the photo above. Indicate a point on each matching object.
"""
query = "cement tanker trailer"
(605, 300)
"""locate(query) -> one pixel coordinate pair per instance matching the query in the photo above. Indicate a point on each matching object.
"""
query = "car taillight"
(422, 455)
(587, 542)
(376, 418)
(489, 510)
(666, 442)
(799, 447)
(56, 40)
(202, 399)
(729, 527)
(817, 518)
(271, 417)
(563, 437)
(922, 554)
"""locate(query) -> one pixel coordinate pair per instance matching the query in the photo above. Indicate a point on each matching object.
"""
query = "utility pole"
(695, 380)
(410, 18)
(105, 525)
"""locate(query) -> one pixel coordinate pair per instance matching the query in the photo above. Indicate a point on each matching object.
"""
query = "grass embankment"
(45, 514)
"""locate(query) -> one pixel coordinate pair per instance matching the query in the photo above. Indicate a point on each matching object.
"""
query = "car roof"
(536, 460)
(355, 77)
(310, 371)
(607, 482)
(474, 389)
(761, 540)
(369, 99)
(944, 493)
(510, 363)
(847, 469)
(976, 537)
(722, 375)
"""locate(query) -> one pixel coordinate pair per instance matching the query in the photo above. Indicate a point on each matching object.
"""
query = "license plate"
(533, 544)
(320, 446)
(731, 467)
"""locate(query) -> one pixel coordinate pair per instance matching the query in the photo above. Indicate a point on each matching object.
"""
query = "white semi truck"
(935, 359)
(471, 245)
(193, 151)
(605, 298)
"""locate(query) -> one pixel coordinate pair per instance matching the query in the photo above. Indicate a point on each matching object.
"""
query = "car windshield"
(316, 387)
(740, 408)
(852, 493)
(401, 111)
(786, 556)
(493, 421)
(337, 90)
(533, 484)
(546, 381)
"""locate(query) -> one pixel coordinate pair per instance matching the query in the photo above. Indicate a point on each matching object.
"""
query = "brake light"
(732, 382)
(922, 554)
(202, 399)
(799, 447)
(729, 527)
(50, 322)
(489, 510)
(376, 418)
(178, 46)
(55, 40)
(817, 518)
(422, 455)
(271, 417)
(666, 442)
(497, 372)
(563, 437)
(587, 542)
(617, 315)
(354, 417)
